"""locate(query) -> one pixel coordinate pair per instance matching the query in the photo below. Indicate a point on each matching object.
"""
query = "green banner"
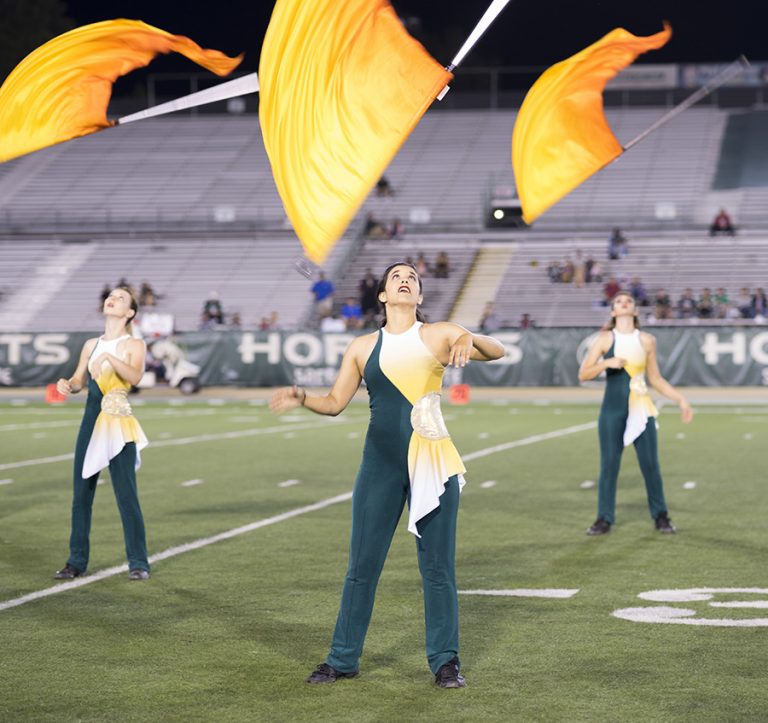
(689, 356)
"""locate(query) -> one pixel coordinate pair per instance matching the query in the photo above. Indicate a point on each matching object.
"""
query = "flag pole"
(493, 11)
(734, 69)
(224, 91)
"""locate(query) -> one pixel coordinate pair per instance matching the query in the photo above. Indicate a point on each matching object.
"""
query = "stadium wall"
(690, 356)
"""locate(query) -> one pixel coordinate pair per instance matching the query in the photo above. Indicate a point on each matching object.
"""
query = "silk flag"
(342, 86)
(561, 135)
(61, 90)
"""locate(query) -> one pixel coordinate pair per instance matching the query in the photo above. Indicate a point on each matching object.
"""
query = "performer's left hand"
(461, 351)
(98, 363)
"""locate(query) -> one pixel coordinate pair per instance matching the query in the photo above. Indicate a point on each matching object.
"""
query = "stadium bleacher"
(189, 204)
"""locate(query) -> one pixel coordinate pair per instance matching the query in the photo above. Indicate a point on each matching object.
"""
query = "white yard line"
(39, 425)
(525, 592)
(203, 542)
(191, 440)
(173, 551)
(529, 440)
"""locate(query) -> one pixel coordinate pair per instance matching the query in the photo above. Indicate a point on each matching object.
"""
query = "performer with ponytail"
(408, 456)
(628, 415)
(110, 436)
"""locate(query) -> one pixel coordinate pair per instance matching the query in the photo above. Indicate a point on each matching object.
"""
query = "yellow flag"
(561, 135)
(342, 86)
(61, 90)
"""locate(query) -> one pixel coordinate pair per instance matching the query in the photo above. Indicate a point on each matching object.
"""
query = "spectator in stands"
(610, 289)
(566, 273)
(489, 321)
(367, 294)
(744, 303)
(662, 308)
(422, 266)
(686, 305)
(396, 230)
(235, 322)
(269, 323)
(352, 314)
(705, 306)
(212, 307)
(579, 270)
(595, 272)
(442, 266)
(147, 295)
(722, 303)
(384, 188)
(722, 224)
(526, 322)
(638, 291)
(332, 324)
(323, 291)
(374, 228)
(618, 247)
(759, 304)
(207, 322)
(554, 271)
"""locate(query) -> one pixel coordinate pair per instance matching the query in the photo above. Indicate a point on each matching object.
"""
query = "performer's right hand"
(63, 387)
(286, 398)
(615, 362)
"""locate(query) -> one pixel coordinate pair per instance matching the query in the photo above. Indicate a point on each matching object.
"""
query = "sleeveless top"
(115, 426)
(640, 406)
(432, 458)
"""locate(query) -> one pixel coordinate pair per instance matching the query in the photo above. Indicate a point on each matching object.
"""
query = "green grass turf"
(230, 631)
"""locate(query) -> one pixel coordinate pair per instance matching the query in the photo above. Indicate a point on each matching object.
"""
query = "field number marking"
(685, 616)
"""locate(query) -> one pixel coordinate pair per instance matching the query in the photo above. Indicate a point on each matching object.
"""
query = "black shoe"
(449, 676)
(600, 527)
(67, 573)
(664, 524)
(324, 673)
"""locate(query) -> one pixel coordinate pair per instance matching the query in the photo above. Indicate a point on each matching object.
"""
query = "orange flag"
(342, 86)
(61, 90)
(561, 136)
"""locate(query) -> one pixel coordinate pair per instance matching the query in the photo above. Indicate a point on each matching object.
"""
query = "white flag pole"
(224, 91)
(736, 67)
(493, 11)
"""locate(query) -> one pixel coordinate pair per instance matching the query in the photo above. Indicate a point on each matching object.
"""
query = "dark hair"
(383, 285)
(611, 323)
(134, 306)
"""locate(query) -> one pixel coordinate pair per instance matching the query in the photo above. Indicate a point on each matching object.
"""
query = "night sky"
(529, 32)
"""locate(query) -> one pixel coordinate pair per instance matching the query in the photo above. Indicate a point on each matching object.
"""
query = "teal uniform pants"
(380, 494)
(122, 470)
(611, 424)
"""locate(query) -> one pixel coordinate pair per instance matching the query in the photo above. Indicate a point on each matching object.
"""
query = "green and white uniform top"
(432, 458)
(640, 408)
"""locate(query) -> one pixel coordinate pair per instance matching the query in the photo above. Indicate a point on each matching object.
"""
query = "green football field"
(555, 626)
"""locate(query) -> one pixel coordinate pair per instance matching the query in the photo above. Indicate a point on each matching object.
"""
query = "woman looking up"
(109, 435)
(628, 415)
(408, 457)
